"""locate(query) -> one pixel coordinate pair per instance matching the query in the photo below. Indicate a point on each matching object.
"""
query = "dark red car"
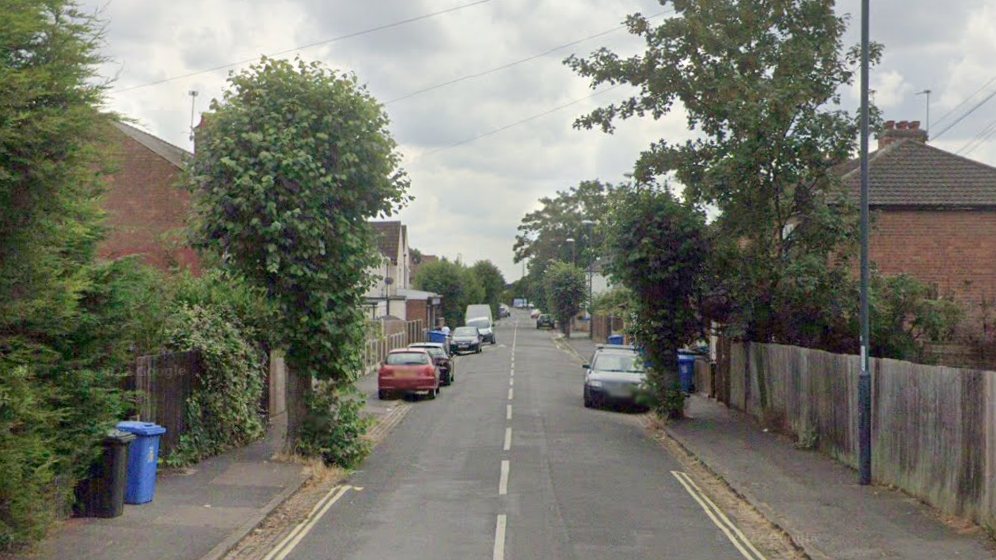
(408, 371)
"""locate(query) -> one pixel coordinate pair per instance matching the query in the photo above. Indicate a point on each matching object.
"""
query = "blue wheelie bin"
(143, 456)
(616, 339)
(437, 336)
(686, 372)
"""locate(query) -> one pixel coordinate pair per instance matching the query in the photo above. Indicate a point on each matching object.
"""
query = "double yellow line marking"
(294, 538)
(731, 531)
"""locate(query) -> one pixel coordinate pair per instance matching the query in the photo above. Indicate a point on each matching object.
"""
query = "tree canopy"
(492, 282)
(566, 292)
(290, 165)
(457, 284)
(760, 84)
(661, 248)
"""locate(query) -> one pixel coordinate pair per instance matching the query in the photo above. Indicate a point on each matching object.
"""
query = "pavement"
(507, 463)
(201, 512)
(815, 499)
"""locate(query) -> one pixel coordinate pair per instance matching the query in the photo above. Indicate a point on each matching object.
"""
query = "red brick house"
(934, 214)
(146, 206)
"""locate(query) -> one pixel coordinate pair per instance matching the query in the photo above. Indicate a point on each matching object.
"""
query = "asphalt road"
(511, 465)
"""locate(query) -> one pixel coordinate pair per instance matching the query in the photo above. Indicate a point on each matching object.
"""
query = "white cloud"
(471, 198)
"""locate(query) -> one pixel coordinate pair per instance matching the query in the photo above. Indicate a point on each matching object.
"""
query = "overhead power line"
(515, 124)
(302, 47)
(520, 61)
(981, 138)
(964, 101)
(966, 114)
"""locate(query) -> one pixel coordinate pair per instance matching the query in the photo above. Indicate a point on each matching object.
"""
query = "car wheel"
(587, 399)
(431, 395)
(383, 395)
(449, 378)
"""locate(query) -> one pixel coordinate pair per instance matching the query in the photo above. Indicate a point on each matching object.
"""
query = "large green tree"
(53, 411)
(661, 249)
(290, 165)
(492, 282)
(759, 82)
(566, 291)
(543, 233)
(457, 284)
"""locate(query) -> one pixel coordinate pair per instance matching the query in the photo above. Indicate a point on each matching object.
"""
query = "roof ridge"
(158, 139)
(147, 138)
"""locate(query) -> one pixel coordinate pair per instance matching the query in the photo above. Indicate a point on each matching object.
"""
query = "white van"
(479, 315)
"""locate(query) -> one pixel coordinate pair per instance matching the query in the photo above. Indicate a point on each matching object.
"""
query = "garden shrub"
(334, 426)
(224, 410)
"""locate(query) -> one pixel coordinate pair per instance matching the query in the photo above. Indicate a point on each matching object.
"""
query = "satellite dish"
(389, 280)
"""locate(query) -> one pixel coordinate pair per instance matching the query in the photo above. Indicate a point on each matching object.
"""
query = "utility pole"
(927, 92)
(864, 378)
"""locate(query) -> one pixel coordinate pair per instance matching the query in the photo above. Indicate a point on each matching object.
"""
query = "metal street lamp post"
(591, 275)
(570, 241)
(864, 378)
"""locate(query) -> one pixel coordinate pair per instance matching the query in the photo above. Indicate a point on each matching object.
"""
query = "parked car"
(504, 311)
(535, 313)
(486, 328)
(545, 321)
(615, 375)
(465, 339)
(440, 355)
(408, 371)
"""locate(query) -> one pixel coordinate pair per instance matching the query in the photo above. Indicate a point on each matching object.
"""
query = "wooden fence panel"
(933, 427)
(164, 383)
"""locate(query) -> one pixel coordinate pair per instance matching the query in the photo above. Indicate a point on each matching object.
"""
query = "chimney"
(893, 131)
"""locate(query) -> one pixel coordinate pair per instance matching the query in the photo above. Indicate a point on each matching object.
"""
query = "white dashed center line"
(503, 481)
(508, 439)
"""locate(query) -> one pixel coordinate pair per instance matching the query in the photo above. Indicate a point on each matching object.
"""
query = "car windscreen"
(626, 363)
(465, 331)
(481, 323)
(408, 359)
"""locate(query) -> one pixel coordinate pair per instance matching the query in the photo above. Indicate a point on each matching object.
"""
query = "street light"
(570, 241)
(591, 275)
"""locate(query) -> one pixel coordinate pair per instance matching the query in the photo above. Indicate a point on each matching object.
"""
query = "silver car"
(615, 375)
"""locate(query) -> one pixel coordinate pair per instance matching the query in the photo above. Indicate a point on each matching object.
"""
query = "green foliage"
(27, 458)
(904, 314)
(123, 308)
(50, 166)
(492, 282)
(289, 166)
(232, 297)
(760, 83)
(335, 427)
(566, 291)
(616, 301)
(223, 412)
(543, 234)
(458, 286)
(54, 309)
(661, 249)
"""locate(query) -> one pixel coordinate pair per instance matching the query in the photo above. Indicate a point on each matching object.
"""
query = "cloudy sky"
(481, 151)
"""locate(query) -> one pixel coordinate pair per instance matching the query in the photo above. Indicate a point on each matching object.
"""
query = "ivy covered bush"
(224, 410)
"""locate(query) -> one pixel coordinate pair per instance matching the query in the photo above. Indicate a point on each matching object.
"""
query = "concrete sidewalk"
(815, 499)
(200, 513)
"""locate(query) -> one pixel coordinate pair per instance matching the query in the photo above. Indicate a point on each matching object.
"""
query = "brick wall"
(418, 310)
(144, 203)
(954, 250)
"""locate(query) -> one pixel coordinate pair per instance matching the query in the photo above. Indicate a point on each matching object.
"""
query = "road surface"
(507, 463)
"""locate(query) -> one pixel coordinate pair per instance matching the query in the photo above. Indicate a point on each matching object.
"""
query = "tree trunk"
(299, 388)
